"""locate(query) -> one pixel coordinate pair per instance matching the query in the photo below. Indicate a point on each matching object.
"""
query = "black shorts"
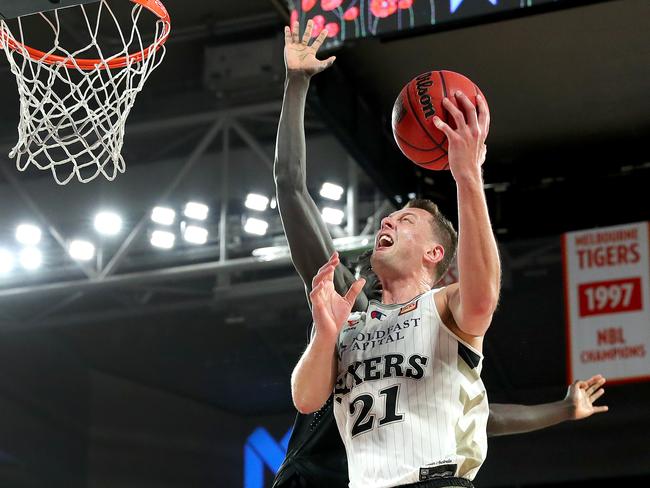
(441, 483)
(294, 481)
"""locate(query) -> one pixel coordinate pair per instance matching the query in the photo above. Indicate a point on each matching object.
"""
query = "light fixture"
(196, 211)
(411, 196)
(162, 239)
(256, 226)
(30, 258)
(270, 253)
(163, 215)
(81, 250)
(331, 191)
(195, 234)
(332, 216)
(254, 201)
(28, 234)
(108, 223)
(6, 261)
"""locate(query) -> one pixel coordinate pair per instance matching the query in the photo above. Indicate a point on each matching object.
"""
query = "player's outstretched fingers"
(353, 292)
(318, 42)
(327, 275)
(483, 115)
(595, 383)
(327, 270)
(329, 62)
(470, 112)
(597, 395)
(295, 32)
(601, 409)
(455, 112)
(334, 259)
(307, 35)
(595, 378)
(287, 35)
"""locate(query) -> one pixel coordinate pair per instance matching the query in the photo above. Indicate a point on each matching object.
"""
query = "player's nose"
(387, 222)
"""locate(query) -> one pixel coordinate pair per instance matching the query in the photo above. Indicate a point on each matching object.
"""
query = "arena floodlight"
(31, 258)
(256, 226)
(163, 215)
(332, 216)
(196, 211)
(270, 253)
(195, 234)
(108, 223)
(28, 234)
(162, 239)
(6, 262)
(255, 201)
(331, 191)
(81, 250)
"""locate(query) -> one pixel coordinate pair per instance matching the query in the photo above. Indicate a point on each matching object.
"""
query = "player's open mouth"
(384, 241)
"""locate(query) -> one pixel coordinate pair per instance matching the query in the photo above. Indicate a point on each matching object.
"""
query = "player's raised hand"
(299, 55)
(329, 309)
(467, 140)
(582, 395)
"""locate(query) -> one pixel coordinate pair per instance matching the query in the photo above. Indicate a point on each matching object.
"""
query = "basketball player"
(409, 401)
(315, 455)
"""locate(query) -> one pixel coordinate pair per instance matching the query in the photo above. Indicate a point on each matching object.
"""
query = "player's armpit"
(470, 324)
(447, 303)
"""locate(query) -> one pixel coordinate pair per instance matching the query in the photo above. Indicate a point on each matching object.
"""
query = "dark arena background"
(164, 359)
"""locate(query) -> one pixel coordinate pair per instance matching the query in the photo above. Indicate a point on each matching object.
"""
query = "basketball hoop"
(73, 108)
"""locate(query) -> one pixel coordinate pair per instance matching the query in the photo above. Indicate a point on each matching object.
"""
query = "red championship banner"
(607, 294)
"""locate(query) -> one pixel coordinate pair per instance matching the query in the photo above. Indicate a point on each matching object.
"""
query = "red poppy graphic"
(404, 4)
(332, 29)
(294, 17)
(307, 5)
(319, 23)
(328, 5)
(383, 8)
(351, 13)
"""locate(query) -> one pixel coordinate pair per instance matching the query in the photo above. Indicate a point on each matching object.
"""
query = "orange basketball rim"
(154, 6)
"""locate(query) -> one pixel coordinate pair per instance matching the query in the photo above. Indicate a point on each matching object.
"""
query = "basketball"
(413, 112)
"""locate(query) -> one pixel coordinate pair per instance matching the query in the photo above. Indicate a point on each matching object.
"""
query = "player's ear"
(434, 254)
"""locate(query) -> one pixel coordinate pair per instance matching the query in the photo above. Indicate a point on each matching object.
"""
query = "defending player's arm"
(314, 377)
(472, 301)
(578, 404)
(309, 240)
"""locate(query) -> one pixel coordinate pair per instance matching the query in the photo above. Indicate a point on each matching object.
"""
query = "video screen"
(351, 19)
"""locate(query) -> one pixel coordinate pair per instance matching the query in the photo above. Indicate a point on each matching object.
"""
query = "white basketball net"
(72, 115)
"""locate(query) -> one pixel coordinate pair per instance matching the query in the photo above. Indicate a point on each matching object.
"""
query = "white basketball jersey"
(409, 401)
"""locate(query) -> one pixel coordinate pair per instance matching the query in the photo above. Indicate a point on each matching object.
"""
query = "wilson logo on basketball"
(423, 82)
